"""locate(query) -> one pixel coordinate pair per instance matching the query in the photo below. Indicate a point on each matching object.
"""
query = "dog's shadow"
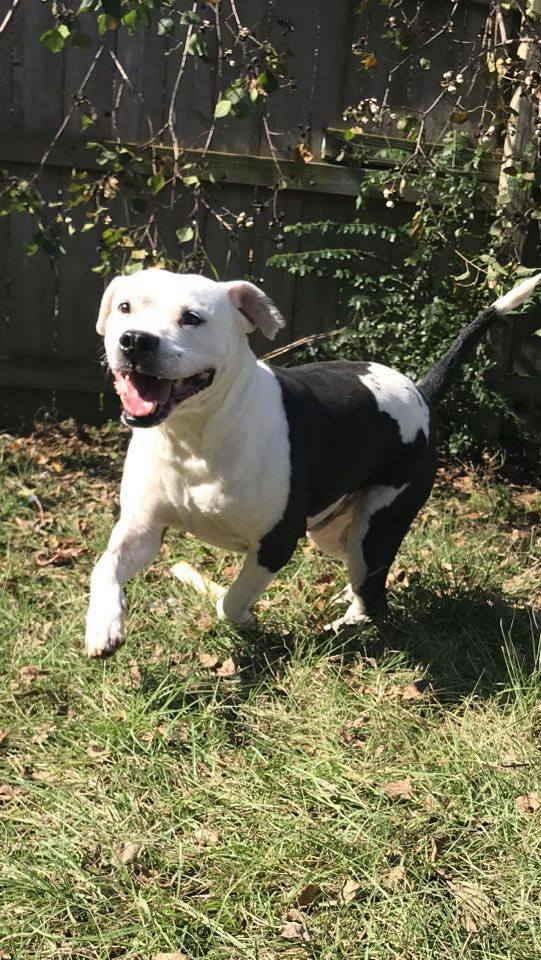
(471, 641)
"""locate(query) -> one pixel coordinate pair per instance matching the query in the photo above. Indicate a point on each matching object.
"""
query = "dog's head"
(169, 337)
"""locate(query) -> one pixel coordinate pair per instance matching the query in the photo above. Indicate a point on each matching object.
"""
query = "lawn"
(201, 795)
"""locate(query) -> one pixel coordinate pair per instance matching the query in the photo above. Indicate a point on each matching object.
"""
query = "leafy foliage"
(410, 288)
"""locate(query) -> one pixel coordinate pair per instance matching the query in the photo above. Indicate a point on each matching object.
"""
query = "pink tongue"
(140, 394)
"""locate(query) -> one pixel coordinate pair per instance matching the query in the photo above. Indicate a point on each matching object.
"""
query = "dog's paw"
(353, 618)
(104, 633)
(247, 623)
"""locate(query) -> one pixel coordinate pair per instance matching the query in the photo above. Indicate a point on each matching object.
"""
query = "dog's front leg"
(251, 582)
(131, 547)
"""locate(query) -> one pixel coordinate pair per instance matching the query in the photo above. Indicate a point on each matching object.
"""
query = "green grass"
(149, 805)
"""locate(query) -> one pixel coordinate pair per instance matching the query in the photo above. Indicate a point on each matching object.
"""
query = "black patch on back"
(340, 442)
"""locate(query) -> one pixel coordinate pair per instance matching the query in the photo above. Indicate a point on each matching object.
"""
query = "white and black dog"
(249, 457)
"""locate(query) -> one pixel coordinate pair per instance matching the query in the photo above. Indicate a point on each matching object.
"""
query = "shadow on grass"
(464, 641)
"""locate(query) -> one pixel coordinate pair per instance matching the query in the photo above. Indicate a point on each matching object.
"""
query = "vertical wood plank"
(298, 27)
(142, 56)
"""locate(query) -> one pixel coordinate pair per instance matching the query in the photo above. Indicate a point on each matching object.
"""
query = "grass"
(280, 797)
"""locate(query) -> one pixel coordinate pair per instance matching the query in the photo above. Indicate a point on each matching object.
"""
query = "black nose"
(135, 343)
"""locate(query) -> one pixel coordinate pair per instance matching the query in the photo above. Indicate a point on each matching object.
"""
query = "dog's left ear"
(256, 306)
(105, 307)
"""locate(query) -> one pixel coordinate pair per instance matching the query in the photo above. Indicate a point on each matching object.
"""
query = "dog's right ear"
(105, 307)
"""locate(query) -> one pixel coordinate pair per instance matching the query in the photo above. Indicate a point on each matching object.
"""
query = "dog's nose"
(135, 343)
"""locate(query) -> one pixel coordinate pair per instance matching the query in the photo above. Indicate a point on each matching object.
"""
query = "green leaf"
(459, 116)
(165, 26)
(222, 108)
(54, 40)
(156, 182)
(268, 80)
(185, 234)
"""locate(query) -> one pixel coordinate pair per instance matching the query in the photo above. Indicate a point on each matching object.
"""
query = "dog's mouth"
(147, 400)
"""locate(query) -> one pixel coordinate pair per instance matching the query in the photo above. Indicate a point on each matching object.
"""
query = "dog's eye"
(191, 319)
(124, 307)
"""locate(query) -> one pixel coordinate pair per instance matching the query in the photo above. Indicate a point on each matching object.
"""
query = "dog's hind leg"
(381, 520)
(133, 544)
(236, 603)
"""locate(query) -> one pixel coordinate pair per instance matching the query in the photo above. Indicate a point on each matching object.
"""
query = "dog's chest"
(220, 506)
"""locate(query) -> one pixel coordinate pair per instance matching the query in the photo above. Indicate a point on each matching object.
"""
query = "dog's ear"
(105, 306)
(256, 307)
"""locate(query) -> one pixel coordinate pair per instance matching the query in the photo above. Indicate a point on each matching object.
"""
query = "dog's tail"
(442, 375)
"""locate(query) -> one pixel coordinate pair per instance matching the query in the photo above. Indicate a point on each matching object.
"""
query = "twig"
(304, 341)
(70, 113)
(9, 15)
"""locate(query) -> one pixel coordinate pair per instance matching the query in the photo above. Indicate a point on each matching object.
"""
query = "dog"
(251, 458)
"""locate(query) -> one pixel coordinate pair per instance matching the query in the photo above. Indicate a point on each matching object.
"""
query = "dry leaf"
(227, 669)
(349, 890)
(308, 894)
(100, 754)
(295, 931)
(208, 660)
(396, 876)
(7, 792)
(136, 675)
(528, 803)
(126, 852)
(176, 955)
(398, 789)
(44, 776)
(205, 621)
(415, 690)
(3, 735)
(205, 837)
(478, 909)
(303, 153)
(370, 61)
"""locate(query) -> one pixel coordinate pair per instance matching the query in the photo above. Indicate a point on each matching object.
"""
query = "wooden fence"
(48, 344)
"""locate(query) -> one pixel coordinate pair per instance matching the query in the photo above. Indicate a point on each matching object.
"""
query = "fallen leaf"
(296, 915)
(66, 551)
(396, 876)
(528, 803)
(7, 792)
(477, 908)
(227, 669)
(295, 931)
(3, 735)
(44, 776)
(398, 789)
(350, 731)
(100, 754)
(308, 894)
(349, 890)
(415, 690)
(176, 955)
(205, 621)
(208, 660)
(135, 672)
(126, 852)
(205, 837)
